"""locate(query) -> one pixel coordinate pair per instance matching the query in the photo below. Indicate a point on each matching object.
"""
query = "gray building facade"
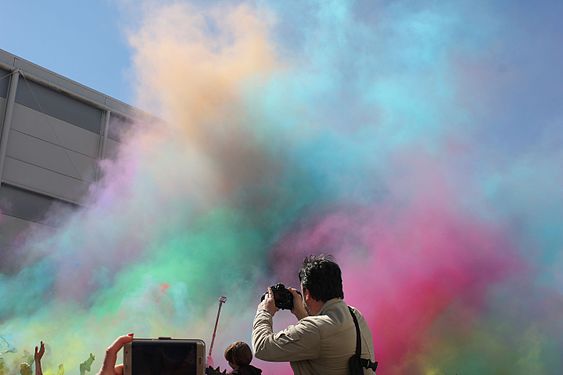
(53, 133)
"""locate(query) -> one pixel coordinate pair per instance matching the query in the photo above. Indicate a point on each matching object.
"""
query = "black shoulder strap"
(366, 363)
(358, 336)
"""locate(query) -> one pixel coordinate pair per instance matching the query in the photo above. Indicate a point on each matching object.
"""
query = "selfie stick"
(222, 300)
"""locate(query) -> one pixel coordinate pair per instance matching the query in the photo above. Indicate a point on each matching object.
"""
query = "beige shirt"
(316, 345)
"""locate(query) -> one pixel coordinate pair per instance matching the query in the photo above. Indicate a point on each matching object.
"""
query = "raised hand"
(109, 367)
(37, 358)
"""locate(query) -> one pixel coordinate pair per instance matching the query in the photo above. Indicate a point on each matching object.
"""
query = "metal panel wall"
(44, 181)
(13, 232)
(58, 105)
(22, 213)
(50, 156)
(50, 129)
(27, 206)
(50, 144)
(2, 108)
(11, 227)
(4, 82)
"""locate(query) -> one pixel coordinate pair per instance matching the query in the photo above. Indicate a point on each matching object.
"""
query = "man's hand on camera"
(299, 309)
(269, 304)
(109, 367)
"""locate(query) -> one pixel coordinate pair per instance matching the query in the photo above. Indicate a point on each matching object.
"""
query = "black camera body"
(282, 297)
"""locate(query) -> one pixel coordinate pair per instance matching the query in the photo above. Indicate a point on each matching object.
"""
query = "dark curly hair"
(322, 277)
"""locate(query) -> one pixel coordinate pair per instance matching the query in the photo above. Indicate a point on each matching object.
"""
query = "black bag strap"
(366, 363)
(358, 336)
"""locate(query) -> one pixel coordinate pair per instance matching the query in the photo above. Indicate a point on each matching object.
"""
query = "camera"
(164, 356)
(282, 297)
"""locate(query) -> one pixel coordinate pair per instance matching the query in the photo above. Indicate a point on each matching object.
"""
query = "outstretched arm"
(37, 358)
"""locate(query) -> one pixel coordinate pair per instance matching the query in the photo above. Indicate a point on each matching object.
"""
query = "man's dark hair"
(322, 277)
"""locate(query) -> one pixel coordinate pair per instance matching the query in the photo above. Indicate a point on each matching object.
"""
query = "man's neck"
(316, 307)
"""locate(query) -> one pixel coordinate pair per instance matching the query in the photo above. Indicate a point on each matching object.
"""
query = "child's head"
(238, 354)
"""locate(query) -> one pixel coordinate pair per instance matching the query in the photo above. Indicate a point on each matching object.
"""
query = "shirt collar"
(328, 304)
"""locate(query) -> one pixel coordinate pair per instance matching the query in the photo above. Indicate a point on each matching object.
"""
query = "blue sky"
(85, 40)
(79, 39)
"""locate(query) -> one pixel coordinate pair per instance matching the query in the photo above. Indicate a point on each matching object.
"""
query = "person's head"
(238, 354)
(321, 278)
(25, 369)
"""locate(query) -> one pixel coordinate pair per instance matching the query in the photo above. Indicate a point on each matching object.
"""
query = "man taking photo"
(324, 338)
